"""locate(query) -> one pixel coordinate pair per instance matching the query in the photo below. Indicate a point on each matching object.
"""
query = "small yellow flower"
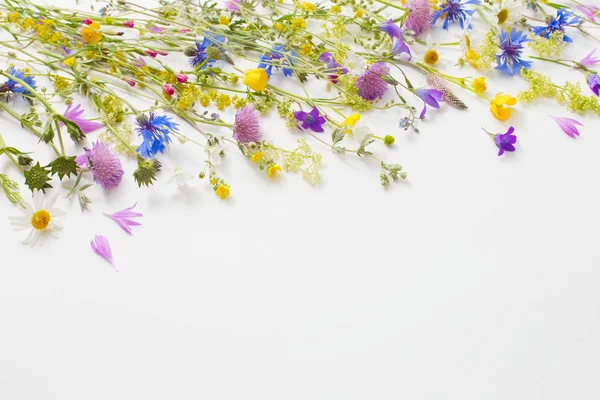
(359, 13)
(69, 62)
(479, 84)
(352, 120)
(223, 191)
(299, 23)
(472, 57)
(256, 157)
(91, 35)
(500, 106)
(431, 57)
(306, 49)
(310, 7)
(273, 170)
(335, 9)
(223, 20)
(256, 79)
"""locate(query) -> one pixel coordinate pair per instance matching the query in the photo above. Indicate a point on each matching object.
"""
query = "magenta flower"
(101, 247)
(505, 141)
(123, 218)
(181, 78)
(129, 24)
(87, 21)
(233, 5)
(589, 60)
(371, 84)
(419, 16)
(247, 125)
(74, 114)
(311, 120)
(169, 89)
(590, 11)
(131, 82)
(162, 52)
(151, 53)
(431, 97)
(105, 166)
(568, 125)
(156, 29)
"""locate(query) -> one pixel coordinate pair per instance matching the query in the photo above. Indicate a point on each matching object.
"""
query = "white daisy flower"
(42, 219)
(506, 11)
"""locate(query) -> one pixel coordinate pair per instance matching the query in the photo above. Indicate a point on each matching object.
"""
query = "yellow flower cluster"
(91, 34)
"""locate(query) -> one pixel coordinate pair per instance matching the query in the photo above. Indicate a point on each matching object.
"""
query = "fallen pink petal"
(568, 125)
(123, 218)
(101, 247)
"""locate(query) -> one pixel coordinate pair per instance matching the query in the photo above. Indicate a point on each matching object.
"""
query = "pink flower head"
(123, 218)
(589, 60)
(101, 247)
(74, 114)
(169, 89)
(105, 166)
(181, 78)
(156, 29)
(162, 53)
(87, 21)
(233, 5)
(590, 11)
(418, 16)
(568, 125)
(371, 84)
(151, 53)
(185, 30)
(129, 23)
(247, 126)
(131, 82)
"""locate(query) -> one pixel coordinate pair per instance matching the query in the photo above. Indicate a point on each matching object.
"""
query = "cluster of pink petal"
(247, 127)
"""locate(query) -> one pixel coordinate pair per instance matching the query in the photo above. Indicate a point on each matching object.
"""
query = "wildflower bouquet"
(128, 81)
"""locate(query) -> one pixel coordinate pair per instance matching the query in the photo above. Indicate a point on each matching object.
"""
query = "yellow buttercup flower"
(256, 157)
(273, 170)
(479, 84)
(352, 120)
(299, 23)
(69, 62)
(223, 20)
(223, 192)
(359, 13)
(335, 9)
(256, 79)
(310, 7)
(500, 106)
(91, 34)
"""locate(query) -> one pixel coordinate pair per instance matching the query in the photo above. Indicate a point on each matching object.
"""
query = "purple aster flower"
(395, 34)
(247, 125)
(505, 141)
(278, 58)
(233, 5)
(594, 83)
(74, 114)
(431, 97)
(563, 19)
(124, 217)
(589, 11)
(418, 17)
(155, 130)
(334, 69)
(589, 60)
(568, 125)
(511, 44)
(105, 166)
(371, 84)
(101, 247)
(453, 11)
(311, 120)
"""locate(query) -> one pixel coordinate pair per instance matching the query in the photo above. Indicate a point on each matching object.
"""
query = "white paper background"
(475, 279)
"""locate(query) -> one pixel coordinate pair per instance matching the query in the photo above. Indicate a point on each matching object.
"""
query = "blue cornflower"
(563, 18)
(453, 11)
(198, 53)
(511, 45)
(268, 61)
(154, 130)
(15, 87)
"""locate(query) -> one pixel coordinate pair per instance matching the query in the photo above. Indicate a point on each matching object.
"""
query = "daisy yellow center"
(431, 57)
(40, 220)
(502, 16)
